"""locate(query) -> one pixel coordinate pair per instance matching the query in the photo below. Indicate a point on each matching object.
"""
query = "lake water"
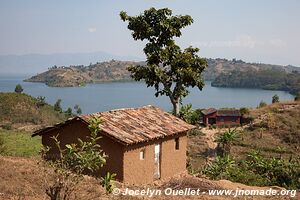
(107, 96)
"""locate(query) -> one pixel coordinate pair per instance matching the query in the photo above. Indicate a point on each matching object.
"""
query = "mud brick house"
(142, 144)
(213, 116)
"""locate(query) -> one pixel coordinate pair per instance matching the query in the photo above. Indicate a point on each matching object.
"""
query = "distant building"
(142, 144)
(221, 117)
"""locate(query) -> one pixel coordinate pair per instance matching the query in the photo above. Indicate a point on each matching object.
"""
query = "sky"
(252, 30)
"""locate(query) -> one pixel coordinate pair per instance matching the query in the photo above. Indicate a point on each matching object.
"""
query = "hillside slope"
(80, 75)
(263, 78)
(117, 71)
(23, 179)
(19, 110)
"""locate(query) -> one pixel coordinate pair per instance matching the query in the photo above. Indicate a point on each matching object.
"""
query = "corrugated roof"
(209, 111)
(134, 125)
(222, 112)
(225, 113)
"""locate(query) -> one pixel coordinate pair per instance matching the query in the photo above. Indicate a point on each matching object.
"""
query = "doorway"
(211, 121)
(157, 161)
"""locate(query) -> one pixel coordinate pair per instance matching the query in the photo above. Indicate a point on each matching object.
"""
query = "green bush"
(275, 99)
(256, 170)
(75, 161)
(262, 104)
(188, 114)
(18, 89)
(244, 111)
(107, 182)
(220, 168)
(69, 112)
(57, 106)
(77, 109)
(195, 132)
(40, 101)
(226, 140)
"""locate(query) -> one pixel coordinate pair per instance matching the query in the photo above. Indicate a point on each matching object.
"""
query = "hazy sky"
(253, 30)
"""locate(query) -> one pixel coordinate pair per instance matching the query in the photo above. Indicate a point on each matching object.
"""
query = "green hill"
(21, 110)
(264, 79)
(114, 70)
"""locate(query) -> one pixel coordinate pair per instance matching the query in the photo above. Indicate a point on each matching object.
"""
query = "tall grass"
(19, 143)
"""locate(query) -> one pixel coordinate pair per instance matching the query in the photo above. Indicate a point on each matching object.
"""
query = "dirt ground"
(22, 178)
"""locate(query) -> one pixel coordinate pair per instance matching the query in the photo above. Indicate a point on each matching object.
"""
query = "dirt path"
(210, 140)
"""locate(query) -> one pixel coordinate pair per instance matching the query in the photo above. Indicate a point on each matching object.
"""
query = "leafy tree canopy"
(169, 69)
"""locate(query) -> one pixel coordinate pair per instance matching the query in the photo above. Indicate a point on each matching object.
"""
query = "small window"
(221, 119)
(233, 119)
(176, 143)
(142, 154)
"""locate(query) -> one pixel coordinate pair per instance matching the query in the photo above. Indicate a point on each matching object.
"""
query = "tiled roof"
(134, 125)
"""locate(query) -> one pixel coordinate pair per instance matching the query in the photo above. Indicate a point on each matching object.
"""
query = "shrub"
(195, 132)
(40, 101)
(256, 170)
(275, 99)
(244, 111)
(77, 109)
(262, 104)
(18, 89)
(226, 140)
(69, 112)
(189, 115)
(107, 182)
(57, 106)
(75, 160)
(220, 168)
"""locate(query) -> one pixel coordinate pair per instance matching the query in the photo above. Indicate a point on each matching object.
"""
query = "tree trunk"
(176, 107)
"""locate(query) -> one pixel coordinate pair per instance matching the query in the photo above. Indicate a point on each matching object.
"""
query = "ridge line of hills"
(115, 70)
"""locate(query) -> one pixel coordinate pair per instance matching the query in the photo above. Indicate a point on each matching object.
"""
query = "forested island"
(265, 79)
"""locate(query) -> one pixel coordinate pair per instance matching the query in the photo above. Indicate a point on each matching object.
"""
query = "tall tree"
(168, 69)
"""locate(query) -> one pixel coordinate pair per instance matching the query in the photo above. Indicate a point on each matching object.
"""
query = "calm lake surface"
(107, 96)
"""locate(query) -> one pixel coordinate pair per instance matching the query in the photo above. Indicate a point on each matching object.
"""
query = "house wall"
(205, 117)
(125, 160)
(172, 161)
(228, 120)
(70, 133)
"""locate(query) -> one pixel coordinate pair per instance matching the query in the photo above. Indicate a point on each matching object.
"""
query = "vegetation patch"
(265, 79)
(19, 143)
(16, 108)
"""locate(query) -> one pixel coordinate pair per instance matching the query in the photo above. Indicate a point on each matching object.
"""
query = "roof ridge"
(119, 109)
